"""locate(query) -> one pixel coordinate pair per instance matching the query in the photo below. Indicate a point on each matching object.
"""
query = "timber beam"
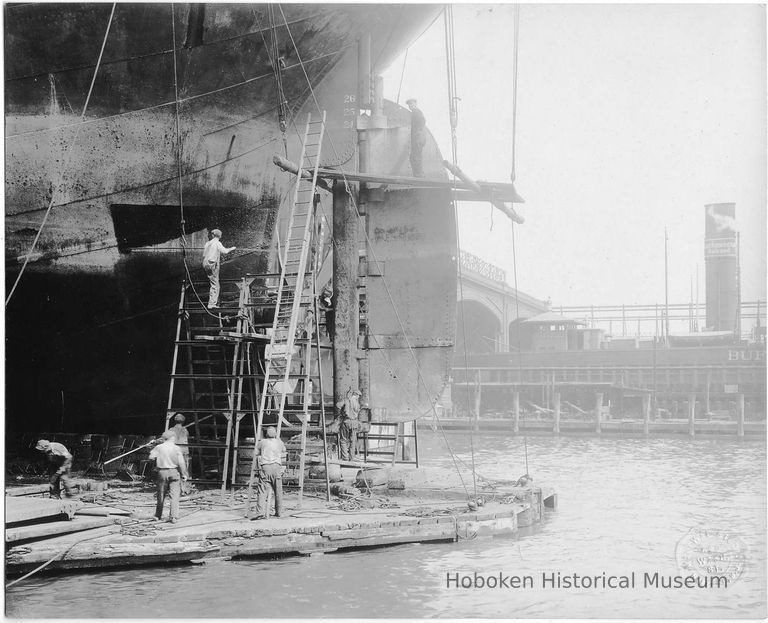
(471, 191)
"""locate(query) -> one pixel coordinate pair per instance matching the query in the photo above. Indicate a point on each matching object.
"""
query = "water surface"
(623, 506)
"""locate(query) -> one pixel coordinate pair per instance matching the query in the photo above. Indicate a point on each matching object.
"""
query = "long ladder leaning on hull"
(294, 294)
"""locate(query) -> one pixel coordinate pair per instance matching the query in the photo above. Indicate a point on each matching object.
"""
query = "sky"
(630, 118)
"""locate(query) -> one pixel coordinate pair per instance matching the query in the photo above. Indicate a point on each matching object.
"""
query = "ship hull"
(128, 191)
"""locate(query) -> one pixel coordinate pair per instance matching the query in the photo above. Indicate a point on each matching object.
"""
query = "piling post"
(598, 411)
(515, 412)
(345, 317)
(692, 414)
(646, 413)
(478, 397)
(740, 415)
(556, 427)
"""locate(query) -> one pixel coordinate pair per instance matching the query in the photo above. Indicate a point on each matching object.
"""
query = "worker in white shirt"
(59, 460)
(270, 453)
(212, 252)
(171, 470)
(182, 440)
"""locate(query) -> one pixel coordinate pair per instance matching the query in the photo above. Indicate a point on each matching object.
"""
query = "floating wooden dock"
(214, 531)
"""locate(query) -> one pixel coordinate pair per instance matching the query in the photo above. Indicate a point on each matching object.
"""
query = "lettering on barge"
(744, 354)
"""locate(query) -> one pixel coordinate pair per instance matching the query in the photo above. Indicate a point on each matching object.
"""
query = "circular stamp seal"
(708, 553)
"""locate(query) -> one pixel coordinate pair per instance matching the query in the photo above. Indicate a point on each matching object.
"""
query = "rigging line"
(178, 135)
(276, 59)
(166, 180)
(286, 68)
(402, 75)
(139, 57)
(512, 224)
(517, 330)
(420, 373)
(65, 158)
(77, 124)
(454, 458)
(451, 69)
(514, 88)
(171, 103)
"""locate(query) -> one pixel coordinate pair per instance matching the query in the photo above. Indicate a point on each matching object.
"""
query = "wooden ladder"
(295, 301)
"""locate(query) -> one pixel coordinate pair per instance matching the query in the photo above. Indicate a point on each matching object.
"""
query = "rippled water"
(624, 504)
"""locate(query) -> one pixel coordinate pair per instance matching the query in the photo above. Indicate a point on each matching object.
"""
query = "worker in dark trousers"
(270, 453)
(60, 462)
(326, 303)
(348, 425)
(171, 471)
(418, 137)
(182, 440)
(212, 252)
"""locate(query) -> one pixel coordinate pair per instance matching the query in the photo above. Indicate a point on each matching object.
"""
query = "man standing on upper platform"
(418, 137)
(212, 252)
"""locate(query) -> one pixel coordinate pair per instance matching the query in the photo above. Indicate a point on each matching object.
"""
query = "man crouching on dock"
(270, 452)
(59, 459)
(171, 470)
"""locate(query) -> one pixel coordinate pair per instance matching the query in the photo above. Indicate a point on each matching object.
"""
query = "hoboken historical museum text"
(559, 580)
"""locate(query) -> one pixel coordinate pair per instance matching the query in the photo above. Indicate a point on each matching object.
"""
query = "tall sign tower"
(721, 257)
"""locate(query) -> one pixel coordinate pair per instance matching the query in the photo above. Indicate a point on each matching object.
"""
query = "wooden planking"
(242, 538)
(26, 509)
(28, 490)
(101, 511)
(55, 528)
(93, 555)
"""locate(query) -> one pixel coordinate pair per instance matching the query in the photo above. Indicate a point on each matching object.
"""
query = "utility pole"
(666, 289)
(697, 298)
(737, 328)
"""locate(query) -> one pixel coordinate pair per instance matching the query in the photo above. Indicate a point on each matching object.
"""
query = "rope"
(150, 184)
(178, 133)
(514, 88)
(453, 118)
(65, 159)
(60, 554)
(517, 331)
(512, 224)
(402, 75)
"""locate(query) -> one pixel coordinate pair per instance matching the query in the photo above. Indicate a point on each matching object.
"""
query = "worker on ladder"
(347, 423)
(212, 252)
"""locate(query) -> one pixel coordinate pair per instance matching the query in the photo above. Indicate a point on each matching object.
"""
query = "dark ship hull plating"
(89, 327)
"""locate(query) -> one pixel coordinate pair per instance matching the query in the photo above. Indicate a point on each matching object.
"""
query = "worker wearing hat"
(418, 137)
(270, 453)
(212, 252)
(171, 470)
(182, 440)
(60, 460)
(348, 414)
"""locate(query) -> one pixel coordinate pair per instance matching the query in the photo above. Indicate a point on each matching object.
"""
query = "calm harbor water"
(625, 505)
